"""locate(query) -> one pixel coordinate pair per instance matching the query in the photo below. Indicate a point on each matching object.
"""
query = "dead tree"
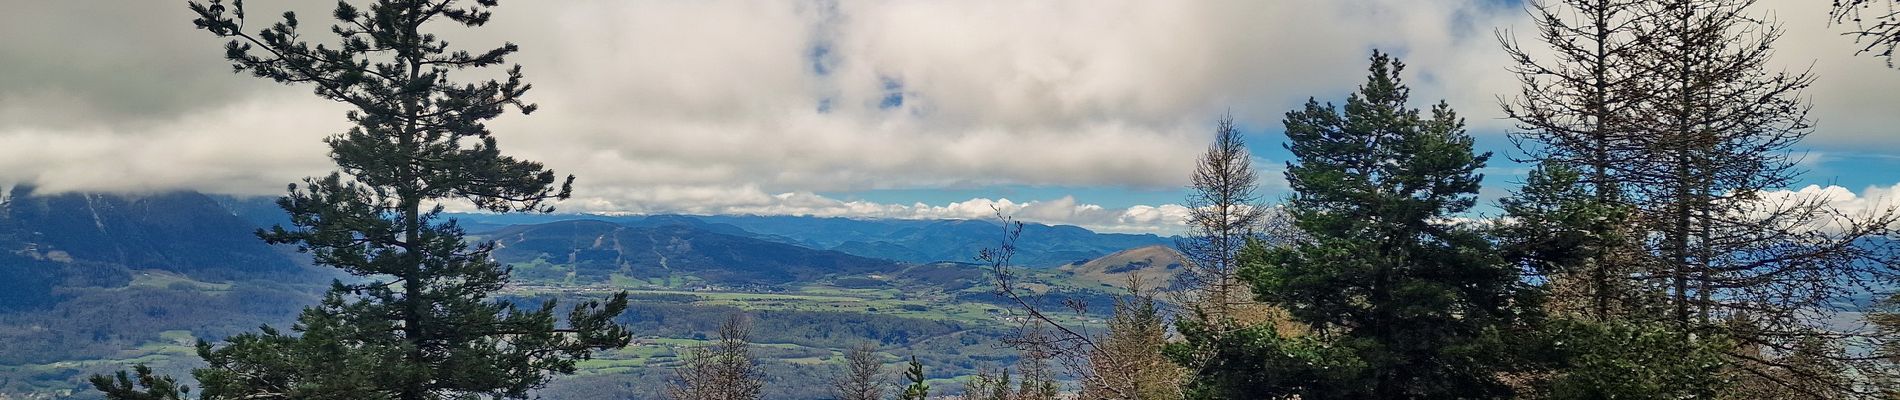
(1224, 212)
(723, 370)
(1574, 110)
(863, 375)
(1730, 253)
(1876, 25)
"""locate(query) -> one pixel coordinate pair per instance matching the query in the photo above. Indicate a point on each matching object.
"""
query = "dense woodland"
(1642, 258)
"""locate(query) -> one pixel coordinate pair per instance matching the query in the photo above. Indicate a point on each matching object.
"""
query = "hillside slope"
(174, 231)
(596, 250)
(1155, 266)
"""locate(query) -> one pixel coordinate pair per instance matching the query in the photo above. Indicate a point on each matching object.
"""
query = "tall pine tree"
(1386, 277)
(421, 323)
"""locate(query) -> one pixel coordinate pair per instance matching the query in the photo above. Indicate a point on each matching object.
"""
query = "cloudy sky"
(1080, 112)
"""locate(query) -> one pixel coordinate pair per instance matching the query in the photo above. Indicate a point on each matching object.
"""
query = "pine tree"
(146, 385)
(1623, 359)
(917, 390)
(860, 380)
(724, 370)
(1386, 275)
(1262, 361)
(421, 323)
(1555, 228)
(1128, 363)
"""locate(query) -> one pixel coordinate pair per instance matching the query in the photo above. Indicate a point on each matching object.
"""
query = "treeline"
(1651, 252)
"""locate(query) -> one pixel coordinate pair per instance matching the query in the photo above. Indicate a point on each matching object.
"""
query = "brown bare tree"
(863, 375)
(723, 370)
(1876, 25)
(1224, 213)
(1731, 252)
(1574, 109)
(1057, 339)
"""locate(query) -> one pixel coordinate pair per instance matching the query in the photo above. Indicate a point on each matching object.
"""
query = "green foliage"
(1130, 363)
(1385, 277)
(146, 386)
(1554, 224)
(316, 364)
(1259, 362)
(918, 390)
(1556, 228)
(1627, 360)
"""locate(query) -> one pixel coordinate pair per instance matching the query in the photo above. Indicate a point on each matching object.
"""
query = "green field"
(807, 327)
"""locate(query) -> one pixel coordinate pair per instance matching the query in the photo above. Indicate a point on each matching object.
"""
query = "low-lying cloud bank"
(1162, 219)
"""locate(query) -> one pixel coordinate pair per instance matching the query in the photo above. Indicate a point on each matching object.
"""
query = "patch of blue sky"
(1854, 170)
(893, 93)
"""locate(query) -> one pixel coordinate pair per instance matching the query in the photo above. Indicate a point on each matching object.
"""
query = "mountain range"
(175, 231)
(912, 241)
(47, 240)
(595, 250)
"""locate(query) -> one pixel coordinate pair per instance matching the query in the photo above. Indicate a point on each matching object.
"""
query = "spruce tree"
(1386, 276)
(422, 321)
(141, 385)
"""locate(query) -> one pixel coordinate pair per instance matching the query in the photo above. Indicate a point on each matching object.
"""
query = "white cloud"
(1870, 201)
(714, 105)
(1165, 219)
(238, 148)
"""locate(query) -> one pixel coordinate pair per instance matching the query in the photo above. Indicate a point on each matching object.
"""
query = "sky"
(1082, 112)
